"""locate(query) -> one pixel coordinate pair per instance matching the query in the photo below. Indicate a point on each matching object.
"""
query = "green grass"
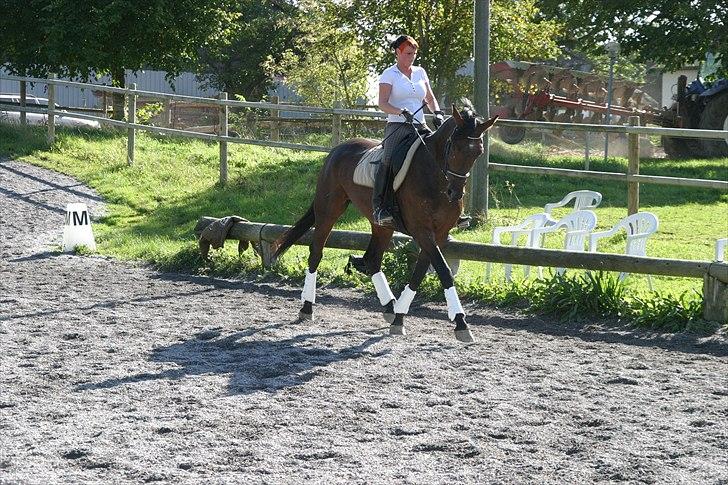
(154, 205)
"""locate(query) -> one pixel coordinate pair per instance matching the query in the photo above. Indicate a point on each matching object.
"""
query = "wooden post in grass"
(223, 144)
(167, 115)
(275, 132)
(106, 104)
(23, 96)
(633, 154)
(51, 109)
(715, 297)
(336, 127)
(131, 133)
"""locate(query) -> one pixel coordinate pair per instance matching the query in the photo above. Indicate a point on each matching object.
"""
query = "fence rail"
(714, 274)
(632, 178)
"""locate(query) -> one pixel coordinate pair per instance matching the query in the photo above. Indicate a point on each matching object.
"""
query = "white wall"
(669, 83)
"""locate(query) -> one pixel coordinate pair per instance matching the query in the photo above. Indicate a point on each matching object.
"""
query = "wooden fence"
(632, 178)
(714, 274)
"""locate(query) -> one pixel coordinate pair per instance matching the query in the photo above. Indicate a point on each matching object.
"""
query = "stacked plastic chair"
(638, 227)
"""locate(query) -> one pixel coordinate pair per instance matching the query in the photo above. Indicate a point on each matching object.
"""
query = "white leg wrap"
(453, 303)
(404, 301)
(309, 288)
(383, 292)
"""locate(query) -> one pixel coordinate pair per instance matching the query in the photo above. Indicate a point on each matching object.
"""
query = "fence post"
(106, 105)
(223, 113)
(586, 150)
(23, 95)
(51, 110)
(633, 168)
(715, 299)
(336, 127)
(275, 132)
(131, 133)
(167, 115)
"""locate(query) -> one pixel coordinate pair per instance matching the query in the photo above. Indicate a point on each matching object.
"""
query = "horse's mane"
(470, 117)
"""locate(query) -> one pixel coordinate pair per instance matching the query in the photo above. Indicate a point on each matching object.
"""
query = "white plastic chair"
(578, 226)
(583, 199)
(639, 227)
(720, 247)
(525, 228)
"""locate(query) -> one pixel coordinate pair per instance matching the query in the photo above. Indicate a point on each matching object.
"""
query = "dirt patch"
(112, 372)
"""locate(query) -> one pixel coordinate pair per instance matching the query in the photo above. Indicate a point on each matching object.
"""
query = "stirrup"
(382, 217)
(464, 221)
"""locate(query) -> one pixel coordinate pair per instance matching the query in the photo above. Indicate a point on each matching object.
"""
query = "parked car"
(7, 114)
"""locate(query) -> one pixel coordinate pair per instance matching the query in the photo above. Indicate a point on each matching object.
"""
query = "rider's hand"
(438, 119)
(408, 117)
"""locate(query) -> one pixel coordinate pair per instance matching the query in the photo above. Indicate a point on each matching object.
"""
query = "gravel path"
(115, 373)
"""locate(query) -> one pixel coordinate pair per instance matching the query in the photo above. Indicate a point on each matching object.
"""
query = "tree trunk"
(119, 100)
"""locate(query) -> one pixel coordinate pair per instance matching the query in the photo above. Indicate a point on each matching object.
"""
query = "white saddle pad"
(366, 169)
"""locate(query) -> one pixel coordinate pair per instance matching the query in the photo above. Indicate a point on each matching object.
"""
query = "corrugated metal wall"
(184, 84)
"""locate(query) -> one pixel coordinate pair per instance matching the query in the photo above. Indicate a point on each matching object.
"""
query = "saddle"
(366, 169)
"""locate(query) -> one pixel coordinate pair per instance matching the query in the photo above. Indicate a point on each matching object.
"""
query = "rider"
(402, 89)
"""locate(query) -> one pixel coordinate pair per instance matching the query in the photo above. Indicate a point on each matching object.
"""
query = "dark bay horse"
(430, 201)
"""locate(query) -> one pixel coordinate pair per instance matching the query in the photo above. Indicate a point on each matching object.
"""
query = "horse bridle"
(448, 148)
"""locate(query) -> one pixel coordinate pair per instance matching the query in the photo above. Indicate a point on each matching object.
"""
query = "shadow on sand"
(253, 364)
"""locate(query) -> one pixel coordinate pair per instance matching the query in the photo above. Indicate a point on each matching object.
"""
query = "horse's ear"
(482, 128)
(456, 115)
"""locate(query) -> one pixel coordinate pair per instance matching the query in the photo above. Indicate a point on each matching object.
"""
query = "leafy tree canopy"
(80, 39)
(262, 32)
(326, 63)
(671, 34)
(444, 31)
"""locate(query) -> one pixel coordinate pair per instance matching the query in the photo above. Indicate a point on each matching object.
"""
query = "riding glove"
(438, 119)
(408, 117)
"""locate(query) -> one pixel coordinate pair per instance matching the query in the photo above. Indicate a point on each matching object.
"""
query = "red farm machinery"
(538, 92)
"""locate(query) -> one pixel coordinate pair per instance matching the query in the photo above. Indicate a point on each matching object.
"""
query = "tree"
(97, 37)
(327, 63)
(21, 21)
(444, 30)
(671, 34)
(262, 32)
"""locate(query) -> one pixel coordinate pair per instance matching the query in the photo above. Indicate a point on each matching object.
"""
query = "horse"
(430, 200)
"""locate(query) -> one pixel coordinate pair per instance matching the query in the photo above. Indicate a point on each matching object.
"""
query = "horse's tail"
(288, 238)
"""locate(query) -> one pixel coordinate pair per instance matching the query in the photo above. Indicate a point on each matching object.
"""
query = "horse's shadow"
(253, 365)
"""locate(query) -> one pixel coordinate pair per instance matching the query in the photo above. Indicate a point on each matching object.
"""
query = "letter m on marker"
(80, 219)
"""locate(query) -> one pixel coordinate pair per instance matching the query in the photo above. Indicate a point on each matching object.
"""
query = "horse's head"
(463, 149)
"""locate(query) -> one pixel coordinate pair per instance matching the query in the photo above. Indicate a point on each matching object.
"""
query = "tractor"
(539, 92)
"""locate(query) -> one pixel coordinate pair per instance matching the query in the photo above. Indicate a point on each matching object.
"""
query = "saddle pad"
(366, 169)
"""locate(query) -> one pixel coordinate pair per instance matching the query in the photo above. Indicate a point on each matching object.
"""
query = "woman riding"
(403, 87)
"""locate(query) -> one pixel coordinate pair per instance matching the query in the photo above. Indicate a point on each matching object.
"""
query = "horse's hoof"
(389, 312)
(306, 313)
(464, 336)
(397, 326)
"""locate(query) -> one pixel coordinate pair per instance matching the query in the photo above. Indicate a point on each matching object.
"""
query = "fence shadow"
(605, 332)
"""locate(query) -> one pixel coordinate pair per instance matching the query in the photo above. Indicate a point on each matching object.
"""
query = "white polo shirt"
(406, 92)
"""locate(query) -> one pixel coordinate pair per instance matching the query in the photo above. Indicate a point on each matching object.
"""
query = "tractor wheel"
(513, 135)
(715, 117)
(680, 147)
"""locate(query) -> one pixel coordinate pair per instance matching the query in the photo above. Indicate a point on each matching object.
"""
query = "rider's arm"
(384, 92)
(430, 99)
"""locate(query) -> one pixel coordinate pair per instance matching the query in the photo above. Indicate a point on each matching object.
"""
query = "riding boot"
(382, 215)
